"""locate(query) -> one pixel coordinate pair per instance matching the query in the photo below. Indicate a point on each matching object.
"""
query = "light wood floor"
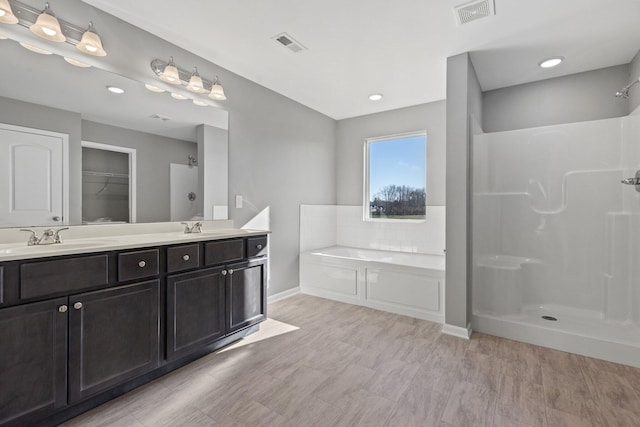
(323, 363)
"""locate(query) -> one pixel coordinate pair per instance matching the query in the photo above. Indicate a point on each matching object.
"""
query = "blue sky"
(401, 161)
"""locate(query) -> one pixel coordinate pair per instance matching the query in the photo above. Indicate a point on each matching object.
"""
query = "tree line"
(398, 200)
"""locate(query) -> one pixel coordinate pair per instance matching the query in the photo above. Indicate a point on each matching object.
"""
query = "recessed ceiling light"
(153, 88)
(178, 96)
(200, 103)
(115, 89)
(77, 63)
(375, 97)
(35, 49)
(551, 62)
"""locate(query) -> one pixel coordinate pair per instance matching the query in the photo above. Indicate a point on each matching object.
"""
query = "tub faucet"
(195, 228)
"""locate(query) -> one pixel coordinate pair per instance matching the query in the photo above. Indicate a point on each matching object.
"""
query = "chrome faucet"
(195, 228)
(49, 236)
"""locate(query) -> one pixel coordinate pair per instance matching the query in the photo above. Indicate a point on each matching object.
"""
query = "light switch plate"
(238, 201)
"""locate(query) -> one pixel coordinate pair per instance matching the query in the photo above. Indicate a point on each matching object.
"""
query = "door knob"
(77, 305)
(56, 218)
(63, 309)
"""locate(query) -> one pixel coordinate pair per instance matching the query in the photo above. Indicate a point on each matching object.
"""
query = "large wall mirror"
(142, 150)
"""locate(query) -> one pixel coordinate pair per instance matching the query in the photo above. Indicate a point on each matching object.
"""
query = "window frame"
(367, 169)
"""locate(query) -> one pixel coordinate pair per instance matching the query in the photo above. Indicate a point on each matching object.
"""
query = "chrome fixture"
(49, 236)
(191, 196)
(170, 73)
(195, 228)
(46, 25)
(635, 181)
(624, 93)
(192, 160)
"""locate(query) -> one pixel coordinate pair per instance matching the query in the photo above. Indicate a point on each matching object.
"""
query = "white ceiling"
(399, 48)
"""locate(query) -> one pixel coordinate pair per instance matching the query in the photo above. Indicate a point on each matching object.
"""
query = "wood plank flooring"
(323, 363)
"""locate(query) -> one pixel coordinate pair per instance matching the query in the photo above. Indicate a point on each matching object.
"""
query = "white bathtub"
(405, 283)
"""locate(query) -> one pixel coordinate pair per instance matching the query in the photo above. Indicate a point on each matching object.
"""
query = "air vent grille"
(289, 42)
(473, 11)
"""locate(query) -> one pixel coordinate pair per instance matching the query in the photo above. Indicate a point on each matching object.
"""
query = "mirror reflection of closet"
(108, 183)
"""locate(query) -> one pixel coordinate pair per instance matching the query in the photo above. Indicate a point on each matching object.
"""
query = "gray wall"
(153, 153)
(351, 134)
(634, 98)
(35, 116)
(464, 99)
(578, 97)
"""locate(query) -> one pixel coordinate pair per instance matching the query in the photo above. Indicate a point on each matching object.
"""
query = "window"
(396, 177)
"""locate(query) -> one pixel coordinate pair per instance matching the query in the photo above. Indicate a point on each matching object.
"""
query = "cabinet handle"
(77, 305)
(63, 309)
(259, 246)
(186, 257)
(224, 272)
(230, 271)
(142, 264)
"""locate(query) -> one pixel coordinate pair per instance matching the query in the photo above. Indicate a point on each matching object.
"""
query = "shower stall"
(556, 237)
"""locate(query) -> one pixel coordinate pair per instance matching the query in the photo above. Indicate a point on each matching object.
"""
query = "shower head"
(624, 93)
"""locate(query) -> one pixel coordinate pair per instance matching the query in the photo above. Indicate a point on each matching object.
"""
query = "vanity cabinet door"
(195, 310)
(33, 360)
(114, 335)
(246, 294)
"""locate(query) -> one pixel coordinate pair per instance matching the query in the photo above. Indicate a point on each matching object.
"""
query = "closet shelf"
(106, 174)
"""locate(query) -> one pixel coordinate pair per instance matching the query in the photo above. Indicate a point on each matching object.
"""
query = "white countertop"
(87, 240)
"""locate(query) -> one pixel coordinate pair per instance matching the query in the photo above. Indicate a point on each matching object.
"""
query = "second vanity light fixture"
(168, 72)
(46, 25)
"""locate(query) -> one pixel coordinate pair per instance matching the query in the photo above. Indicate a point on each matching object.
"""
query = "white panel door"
(183, 192)
(31, 177)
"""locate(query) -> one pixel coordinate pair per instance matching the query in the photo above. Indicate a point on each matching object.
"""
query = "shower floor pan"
(576, 331)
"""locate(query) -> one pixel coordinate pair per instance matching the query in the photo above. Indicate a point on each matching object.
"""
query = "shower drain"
(551, 318)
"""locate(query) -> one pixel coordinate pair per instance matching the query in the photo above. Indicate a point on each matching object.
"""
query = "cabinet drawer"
(256, 246)
(137, 265)
(223, 251)
(43, 278)
(185, 257)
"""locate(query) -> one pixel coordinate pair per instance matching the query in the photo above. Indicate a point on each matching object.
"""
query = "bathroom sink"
(24, 249)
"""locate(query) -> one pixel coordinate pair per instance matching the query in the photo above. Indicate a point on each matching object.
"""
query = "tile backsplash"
(329, 225)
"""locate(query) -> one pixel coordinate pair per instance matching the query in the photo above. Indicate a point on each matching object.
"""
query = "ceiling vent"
(160, 117)
(473, 11)
(289, 42)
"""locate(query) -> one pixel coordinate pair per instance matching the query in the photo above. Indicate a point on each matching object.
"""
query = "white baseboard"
(283, 295)
(457, 331)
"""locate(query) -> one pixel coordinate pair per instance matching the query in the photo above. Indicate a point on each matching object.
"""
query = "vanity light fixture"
(47, 26)
(35, 49)
(178, 96)
(217, 91)
(375, 97)
(551, 62)
(115, 89)
(195, 82)
(170, 73)
(91, 44)
(153, 88)
(76, 62)
(6, 13)
(44, 24)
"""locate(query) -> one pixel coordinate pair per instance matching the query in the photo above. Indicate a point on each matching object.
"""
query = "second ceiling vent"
(289, 42)
(474, 10)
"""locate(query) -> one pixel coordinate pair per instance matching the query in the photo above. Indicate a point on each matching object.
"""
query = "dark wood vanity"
(78, 330)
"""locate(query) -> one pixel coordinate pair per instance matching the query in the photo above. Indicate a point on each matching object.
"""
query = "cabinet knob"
(259, 246)
(230, 271)
(77, 305)
(142, 264)
(186, 257)
(224, 272)
(63, 309)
